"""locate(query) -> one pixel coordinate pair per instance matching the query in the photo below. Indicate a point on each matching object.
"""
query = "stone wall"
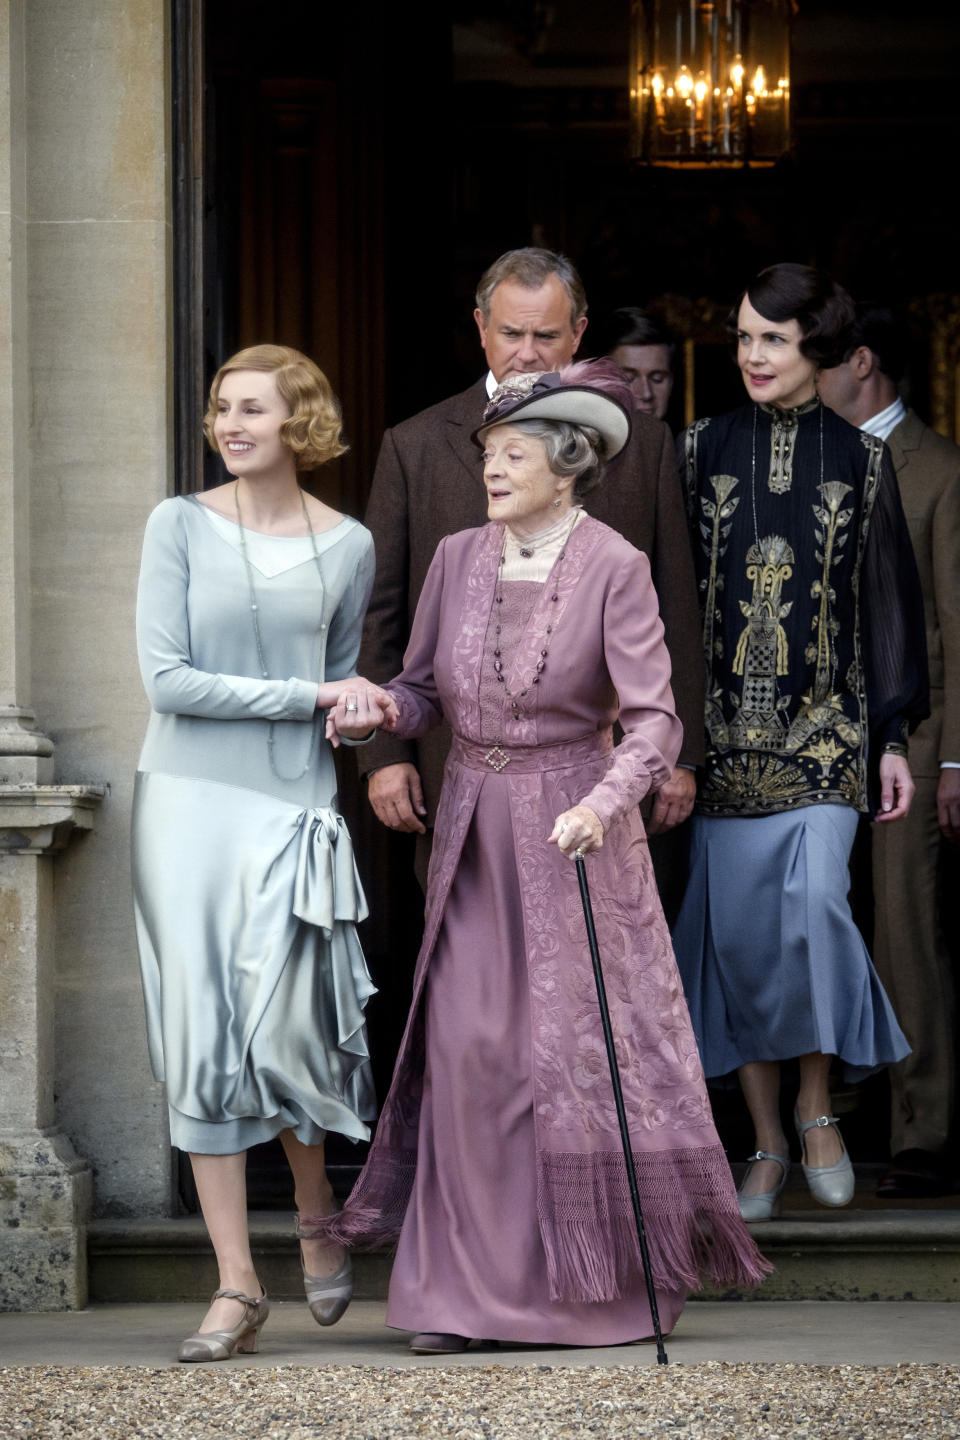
(98, 206)
(85, 446)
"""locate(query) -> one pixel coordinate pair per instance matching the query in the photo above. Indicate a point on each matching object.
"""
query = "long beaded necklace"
(527, 549)
(255, 616)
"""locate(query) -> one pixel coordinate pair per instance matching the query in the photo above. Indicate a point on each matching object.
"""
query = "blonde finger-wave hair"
(314, 430)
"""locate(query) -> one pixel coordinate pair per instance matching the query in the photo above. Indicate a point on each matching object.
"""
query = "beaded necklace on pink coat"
(527, 548)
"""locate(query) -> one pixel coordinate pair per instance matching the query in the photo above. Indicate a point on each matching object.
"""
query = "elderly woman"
(249, 612)
(497, 1159)
(814, 646)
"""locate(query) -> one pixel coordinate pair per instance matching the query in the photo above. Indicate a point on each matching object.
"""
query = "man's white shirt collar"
(886, 422)
(491, 384)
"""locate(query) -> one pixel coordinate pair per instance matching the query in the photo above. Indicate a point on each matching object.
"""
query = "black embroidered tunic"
(813, 630)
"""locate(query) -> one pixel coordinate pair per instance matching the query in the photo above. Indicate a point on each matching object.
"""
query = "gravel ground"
(358, 1402)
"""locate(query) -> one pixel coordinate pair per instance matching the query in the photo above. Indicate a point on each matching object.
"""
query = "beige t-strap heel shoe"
(243, 1339)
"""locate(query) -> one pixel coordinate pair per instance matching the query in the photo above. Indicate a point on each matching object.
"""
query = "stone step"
(171, 1260)
(858, 1255)
(852, 1254)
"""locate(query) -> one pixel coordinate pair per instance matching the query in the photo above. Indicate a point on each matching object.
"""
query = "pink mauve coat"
(607, 661)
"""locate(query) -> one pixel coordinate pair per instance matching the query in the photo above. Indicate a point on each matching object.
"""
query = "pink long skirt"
(470, 1260)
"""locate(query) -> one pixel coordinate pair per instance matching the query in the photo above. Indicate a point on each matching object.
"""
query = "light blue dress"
(773, 965)
(246, 893)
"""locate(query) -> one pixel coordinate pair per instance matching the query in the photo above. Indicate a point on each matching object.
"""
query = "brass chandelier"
(710, 82)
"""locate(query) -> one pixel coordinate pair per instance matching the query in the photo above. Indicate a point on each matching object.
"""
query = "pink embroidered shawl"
(607, 660)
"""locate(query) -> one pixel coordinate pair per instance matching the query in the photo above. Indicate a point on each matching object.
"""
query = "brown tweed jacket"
(429, 483)
(928, 473)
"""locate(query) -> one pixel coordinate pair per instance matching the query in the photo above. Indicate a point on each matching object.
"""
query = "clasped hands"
(355, 709)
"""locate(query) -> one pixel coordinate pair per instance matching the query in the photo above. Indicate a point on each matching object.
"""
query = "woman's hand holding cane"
(577, 831)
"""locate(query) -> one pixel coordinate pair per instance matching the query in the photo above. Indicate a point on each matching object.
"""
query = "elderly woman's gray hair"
(575, 450)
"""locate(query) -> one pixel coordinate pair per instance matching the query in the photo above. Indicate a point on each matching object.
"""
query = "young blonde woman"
(250, 606)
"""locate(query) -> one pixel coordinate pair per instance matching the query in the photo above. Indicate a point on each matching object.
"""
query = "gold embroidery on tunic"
(757, 757)
(715, 534)
(769, 565)
(762, 652)
(759, 761)
(783, 439)
(784, 426)
(831, 520)
(749, 779)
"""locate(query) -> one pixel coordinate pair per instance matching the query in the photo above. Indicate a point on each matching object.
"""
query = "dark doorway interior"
(345, 174)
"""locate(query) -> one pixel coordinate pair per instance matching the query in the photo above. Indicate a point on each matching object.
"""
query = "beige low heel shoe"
(243, 1339)
(329, 1295)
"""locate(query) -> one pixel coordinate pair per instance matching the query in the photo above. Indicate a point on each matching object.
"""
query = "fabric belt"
(522, 759)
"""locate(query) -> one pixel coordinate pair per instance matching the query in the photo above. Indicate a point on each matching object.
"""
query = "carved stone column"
(44, 1186)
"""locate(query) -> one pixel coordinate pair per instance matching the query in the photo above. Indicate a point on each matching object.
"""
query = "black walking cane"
(618, 1100)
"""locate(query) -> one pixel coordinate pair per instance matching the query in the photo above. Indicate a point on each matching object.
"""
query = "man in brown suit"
(531, 315)
(915, 863)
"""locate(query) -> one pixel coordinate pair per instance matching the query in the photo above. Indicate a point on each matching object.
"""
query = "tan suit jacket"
(912, 868)
(429, 483)
(928, 472)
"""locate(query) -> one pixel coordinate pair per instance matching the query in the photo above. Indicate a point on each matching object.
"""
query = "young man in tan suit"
(530, 315)
(912, 860)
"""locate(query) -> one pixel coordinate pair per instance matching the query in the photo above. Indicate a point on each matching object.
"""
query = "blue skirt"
(771, 961)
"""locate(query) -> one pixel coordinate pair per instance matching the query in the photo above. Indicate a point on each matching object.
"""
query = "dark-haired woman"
(814, 647)
(249, 612)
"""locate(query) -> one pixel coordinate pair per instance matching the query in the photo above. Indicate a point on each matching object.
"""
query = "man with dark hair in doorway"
(531, 312)
(646, 351)
(911, 860)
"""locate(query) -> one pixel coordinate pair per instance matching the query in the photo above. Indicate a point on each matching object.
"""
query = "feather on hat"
(588, 392)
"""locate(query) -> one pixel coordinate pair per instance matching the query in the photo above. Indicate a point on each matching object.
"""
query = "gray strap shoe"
(829, 1184)
(764, 1205)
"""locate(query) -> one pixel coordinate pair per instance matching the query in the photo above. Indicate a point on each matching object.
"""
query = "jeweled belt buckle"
(497, 758)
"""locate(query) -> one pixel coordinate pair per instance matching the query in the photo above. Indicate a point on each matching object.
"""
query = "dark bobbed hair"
(630, 325)
(822, 308)
(884, 331)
